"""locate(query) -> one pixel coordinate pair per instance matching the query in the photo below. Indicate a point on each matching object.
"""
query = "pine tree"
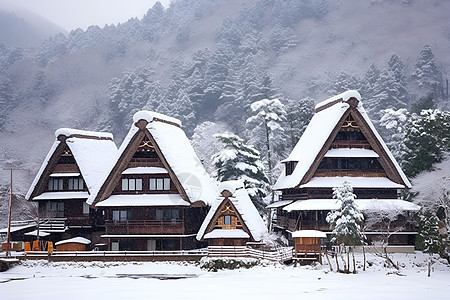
(299, 113)
(427, 139)
(428, 239)
(347, 220)
(240, 161)
(6, 99)
(426, 73)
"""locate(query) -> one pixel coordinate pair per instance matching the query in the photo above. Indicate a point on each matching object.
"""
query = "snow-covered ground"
(98, 280)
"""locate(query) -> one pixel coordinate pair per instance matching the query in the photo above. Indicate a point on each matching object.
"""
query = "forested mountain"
(209, 60)
(21, 27)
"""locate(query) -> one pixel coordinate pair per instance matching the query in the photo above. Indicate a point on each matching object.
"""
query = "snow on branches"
(347, 220)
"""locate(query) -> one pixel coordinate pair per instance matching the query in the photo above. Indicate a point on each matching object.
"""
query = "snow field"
(98, 280)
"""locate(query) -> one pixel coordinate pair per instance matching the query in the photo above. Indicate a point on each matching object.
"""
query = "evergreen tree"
(393, 125)
(298, 115)
(427, 139)
(369, 81)
(423, 103)
(428, 239)
(239, 160)
(6, 99)
(347, 220)
(426, 73)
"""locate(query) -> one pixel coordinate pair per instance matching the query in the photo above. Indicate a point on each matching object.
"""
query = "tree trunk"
(364, 258)
(328, 260)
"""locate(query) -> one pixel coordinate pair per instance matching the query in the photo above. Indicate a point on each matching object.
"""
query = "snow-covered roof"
(79, 240)
(328, 113)
(351, 152)
(143, 200)
(94, 153)
(243, 205)
(362, 204)
(62, 195)
(65, 174)
(34, 233)
(177, 151)
(227, 233)
(355, 182)
(145, 170)
(309, 233)
(279, 203)
(76, 132)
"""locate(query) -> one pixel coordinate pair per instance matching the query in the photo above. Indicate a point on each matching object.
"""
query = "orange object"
(50, 247)
(27, 247)
(36, 246)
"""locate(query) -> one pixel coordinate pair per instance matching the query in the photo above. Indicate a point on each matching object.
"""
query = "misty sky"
(71, 14)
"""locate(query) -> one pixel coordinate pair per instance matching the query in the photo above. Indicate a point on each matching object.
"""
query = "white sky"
(71, 14)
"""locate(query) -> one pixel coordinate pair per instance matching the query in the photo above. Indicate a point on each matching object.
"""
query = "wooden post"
(364, 258)
(8, 246)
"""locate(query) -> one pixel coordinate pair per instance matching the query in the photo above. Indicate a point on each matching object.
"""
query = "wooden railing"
(280, 254)
(145, 227)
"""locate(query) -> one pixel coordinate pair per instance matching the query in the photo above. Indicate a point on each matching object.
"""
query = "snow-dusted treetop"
(327, 116)
(244, 206)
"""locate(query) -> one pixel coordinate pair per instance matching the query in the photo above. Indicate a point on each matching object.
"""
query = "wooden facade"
(352, 151)
(233, 220)
(61, 190)
(147, 218)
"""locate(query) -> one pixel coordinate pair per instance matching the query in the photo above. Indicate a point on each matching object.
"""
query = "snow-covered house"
(233, 220)
(74, 168)
(157, 193)
(340, 144)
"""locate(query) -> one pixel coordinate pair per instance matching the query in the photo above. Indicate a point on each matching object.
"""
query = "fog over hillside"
(23, 28)
(208, 60)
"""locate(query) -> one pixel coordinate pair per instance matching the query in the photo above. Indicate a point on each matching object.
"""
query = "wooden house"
(157, 193)
(340, 144)
(233, 219)
(73, 169)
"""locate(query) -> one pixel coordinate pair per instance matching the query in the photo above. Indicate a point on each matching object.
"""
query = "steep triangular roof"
(320, 133)
(94, 153)
(175, 151)
(233, 193)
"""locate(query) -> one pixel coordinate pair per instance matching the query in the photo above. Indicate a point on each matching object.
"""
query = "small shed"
(307, 244)
(73, 244)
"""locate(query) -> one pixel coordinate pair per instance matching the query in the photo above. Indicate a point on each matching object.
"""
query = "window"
(227, 220)
(85, 208)
(159, 184)
(75, 184)
(55, 209)
(122, 215)
(55, 184)
(290, 166)
(167, 214)
(131, 184)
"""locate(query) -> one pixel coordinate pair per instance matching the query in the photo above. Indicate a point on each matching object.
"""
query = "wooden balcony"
(145, 227)
(79, 221)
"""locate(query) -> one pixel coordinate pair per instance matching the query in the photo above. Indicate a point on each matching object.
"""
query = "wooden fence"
(280, 254)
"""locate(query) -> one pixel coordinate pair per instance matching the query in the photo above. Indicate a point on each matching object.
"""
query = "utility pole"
(8, 246)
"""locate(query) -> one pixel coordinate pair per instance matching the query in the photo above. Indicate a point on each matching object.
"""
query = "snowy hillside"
(208, 60)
